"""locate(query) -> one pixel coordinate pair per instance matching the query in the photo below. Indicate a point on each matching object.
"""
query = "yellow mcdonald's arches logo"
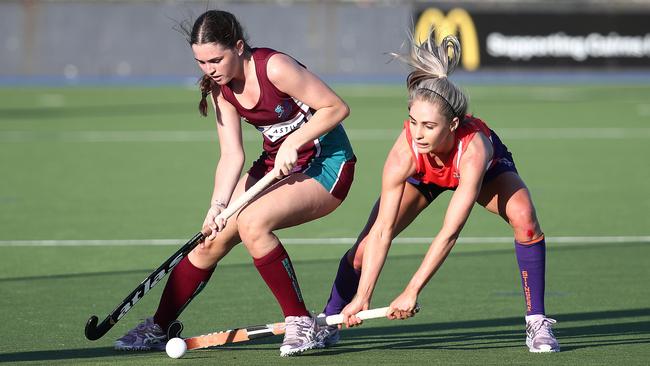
(457, 21)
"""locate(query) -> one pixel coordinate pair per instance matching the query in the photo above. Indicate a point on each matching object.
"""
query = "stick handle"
(363, 315)
(242, 200)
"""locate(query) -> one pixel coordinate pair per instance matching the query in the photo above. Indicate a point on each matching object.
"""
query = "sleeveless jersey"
(276, 114)
(448, 175)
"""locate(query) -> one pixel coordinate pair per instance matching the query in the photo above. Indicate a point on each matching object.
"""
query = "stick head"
(92, 333)
(174, 330)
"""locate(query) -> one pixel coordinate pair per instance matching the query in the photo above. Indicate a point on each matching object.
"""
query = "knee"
(251, 230)
(355, 255)
(524, 220)
(206, 248)
(207, 254)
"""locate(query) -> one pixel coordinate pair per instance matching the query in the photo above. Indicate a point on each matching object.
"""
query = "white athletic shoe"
(327, 335)
(539, 336)
(299, 335)
(146, 336)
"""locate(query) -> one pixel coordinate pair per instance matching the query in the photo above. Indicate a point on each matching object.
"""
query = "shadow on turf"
(450, 335)
(459, 335)
(67, 354)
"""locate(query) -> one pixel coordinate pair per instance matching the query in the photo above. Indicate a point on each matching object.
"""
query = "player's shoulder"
(473, 119)
(280, 64)
(263, 52)
(399, 163)
(472, 124)
(478, 152)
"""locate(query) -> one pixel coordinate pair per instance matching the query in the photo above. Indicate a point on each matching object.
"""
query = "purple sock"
(344, 287)
(532, 259)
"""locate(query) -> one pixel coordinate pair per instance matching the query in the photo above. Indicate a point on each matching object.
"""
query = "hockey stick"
(94, 331)
(267, 330)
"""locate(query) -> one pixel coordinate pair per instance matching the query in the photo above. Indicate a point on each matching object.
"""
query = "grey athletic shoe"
(539, 336)
(146, 336)
(327, 335)
(299, 336)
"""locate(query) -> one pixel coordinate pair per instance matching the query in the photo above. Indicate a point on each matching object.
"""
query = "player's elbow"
(449, 238)
(233, 157)
(343, 110)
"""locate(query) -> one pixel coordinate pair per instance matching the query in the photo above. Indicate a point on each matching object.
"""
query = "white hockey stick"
(247, 196)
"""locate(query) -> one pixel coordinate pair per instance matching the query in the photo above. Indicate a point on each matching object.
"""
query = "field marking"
(324, 241)
(542, 133)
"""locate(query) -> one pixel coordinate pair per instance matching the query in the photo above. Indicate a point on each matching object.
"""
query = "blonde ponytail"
(432, 63)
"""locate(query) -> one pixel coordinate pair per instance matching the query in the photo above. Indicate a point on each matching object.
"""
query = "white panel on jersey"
(276, 131)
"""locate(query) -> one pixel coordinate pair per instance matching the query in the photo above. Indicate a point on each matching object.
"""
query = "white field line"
(324, 241)
(544, 133)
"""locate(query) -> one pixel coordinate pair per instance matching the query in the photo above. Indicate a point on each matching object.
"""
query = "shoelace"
(298, 329)
(329, 329)
(145, 328)
(543, 326)
(291, 331)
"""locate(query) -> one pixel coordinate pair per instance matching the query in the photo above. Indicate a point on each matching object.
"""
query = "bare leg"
(207, 255)
(294, 200)
(508, 197)
(191, 275)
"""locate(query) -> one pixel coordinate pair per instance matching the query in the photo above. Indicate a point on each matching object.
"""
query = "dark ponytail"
(205, 85)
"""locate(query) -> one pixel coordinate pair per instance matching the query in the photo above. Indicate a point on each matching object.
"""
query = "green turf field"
(82, 164)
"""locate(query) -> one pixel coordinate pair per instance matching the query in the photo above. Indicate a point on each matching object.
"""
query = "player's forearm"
(432, 261)
(374, 257)
(323, 121)
(458, 211)
(226, 177)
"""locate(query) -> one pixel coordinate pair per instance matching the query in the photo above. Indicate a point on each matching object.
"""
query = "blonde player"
(441, 148)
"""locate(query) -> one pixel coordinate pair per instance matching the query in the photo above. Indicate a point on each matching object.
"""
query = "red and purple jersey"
(448, 175)
(276, 114)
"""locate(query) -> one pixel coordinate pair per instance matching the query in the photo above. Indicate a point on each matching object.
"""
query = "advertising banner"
(568, 40)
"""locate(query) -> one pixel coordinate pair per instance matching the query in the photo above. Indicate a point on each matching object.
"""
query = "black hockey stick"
(95, 331)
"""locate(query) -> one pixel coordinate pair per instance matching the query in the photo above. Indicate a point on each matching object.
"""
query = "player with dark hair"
(304, 144)
(441, 148)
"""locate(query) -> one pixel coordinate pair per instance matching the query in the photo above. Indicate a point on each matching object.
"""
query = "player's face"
(218, 62)
(432, 132)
